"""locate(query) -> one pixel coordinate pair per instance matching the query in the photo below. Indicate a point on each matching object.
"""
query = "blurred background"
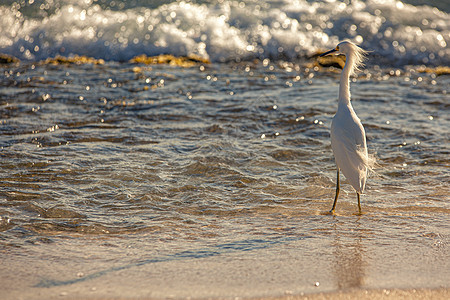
(408, 32)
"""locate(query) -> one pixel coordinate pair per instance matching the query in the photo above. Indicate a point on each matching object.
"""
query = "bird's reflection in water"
(350, 260)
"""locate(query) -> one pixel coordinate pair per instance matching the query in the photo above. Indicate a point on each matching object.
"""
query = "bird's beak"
(328, 52)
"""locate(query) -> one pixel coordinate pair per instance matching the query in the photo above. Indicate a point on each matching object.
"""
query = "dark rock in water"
(77, 60)
(439, 70)
(181, 61)
(337, 61)
(8, 59)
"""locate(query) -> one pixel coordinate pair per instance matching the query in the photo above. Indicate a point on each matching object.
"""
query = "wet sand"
(376, 294)
(418, 294)
(285, 269)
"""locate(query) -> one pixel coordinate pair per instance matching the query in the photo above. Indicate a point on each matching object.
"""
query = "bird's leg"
(359, 203)
(337, 192)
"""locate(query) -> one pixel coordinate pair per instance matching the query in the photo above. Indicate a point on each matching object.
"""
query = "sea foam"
(223, 30)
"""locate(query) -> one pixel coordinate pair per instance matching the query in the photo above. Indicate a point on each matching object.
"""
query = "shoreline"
(422, 293)
(372, 294)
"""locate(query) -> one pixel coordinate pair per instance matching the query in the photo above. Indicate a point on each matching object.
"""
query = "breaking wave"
(224, 30)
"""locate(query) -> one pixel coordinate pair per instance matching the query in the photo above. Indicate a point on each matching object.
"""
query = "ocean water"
(214, 181)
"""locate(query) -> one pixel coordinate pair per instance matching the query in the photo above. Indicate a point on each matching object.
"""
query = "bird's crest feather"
(359, 57)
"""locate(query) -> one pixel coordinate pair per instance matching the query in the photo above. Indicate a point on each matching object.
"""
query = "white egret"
(348, 138)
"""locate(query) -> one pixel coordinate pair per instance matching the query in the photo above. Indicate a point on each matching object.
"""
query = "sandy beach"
(394, 294)
(439, 294)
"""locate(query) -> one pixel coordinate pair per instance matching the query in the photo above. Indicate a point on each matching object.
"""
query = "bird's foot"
(330, 213)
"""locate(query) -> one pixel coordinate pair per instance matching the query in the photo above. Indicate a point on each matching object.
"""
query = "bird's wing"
(350, 153)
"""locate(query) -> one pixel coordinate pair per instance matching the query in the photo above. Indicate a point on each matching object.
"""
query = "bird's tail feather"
(369, 160)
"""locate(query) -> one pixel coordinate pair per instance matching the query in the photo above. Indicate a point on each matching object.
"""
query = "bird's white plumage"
(348, 138)
(348, 141)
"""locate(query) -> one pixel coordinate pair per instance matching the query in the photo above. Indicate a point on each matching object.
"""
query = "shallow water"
(214, 181)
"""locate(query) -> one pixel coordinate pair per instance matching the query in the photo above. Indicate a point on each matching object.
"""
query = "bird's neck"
(344, 87)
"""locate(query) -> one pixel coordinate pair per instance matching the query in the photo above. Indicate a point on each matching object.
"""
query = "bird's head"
(345, 48)
(350, 50)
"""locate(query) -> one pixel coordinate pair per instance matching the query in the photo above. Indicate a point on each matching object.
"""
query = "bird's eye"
(337, 48)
